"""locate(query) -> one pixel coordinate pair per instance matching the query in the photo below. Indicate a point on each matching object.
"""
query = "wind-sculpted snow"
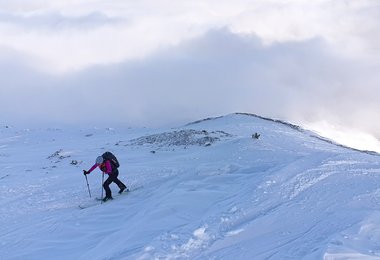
(286, 195)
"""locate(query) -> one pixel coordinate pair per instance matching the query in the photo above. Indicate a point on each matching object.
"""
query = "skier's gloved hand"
(85, 172)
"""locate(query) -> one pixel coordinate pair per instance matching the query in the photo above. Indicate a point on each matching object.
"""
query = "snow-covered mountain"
(207, 190)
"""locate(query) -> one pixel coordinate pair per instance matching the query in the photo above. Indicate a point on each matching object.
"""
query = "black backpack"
(108, 156)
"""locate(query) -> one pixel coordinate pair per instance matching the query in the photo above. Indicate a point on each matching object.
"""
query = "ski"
(100, 199)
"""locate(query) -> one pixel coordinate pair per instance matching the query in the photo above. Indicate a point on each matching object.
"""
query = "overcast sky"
(162, 62)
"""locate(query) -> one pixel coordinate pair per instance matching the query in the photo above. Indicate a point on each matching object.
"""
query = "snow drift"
(207, 190)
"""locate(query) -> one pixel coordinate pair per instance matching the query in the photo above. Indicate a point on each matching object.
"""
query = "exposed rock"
(185, 137)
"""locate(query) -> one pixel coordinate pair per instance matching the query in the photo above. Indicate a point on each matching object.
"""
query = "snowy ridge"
(286, 195)
(296, 127)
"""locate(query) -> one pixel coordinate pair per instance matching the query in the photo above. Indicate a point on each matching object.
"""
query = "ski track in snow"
(286, 195)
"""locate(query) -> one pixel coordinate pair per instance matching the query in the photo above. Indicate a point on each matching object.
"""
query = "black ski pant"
(112, 177)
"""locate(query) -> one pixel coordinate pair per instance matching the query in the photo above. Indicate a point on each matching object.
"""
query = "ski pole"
(88, 186)
(102, 188)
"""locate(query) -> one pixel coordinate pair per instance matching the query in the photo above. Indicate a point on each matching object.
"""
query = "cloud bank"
(217, 73)
(164, 63)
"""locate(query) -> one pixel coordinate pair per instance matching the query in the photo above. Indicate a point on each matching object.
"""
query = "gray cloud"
(215, 74)
(52, 21)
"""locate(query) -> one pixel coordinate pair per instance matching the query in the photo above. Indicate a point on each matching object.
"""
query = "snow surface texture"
(207, 190)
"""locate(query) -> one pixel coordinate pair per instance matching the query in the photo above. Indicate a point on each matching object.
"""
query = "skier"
(106, 166)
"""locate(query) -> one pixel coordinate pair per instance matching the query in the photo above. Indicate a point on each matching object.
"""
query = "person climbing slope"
(108, 164)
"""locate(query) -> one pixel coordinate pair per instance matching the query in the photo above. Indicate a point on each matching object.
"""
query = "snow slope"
(207, 190)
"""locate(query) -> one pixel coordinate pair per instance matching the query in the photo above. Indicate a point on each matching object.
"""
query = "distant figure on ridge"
(108, 164)
(255, 136)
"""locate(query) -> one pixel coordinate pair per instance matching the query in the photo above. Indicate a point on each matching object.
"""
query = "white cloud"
(62, 46)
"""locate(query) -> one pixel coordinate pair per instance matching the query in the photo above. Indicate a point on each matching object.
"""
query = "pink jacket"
(107, 164)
